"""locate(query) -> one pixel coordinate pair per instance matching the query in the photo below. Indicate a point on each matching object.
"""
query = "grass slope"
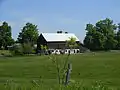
(86, 68)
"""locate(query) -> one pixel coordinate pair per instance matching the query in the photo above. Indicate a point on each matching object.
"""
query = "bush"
(84, 50)
(17, 49)
(22, 49)
(27, 48)
(5, 53)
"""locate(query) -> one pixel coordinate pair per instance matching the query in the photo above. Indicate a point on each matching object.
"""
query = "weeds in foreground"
(39, 85)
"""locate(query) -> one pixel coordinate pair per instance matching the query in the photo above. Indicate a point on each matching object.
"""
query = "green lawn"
(86, 68)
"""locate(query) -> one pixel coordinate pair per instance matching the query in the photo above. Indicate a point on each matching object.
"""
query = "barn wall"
(41, 41)
(53, 45)
(57, 45)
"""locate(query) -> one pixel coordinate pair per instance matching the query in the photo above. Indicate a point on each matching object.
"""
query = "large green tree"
(28, 34)
(101, 36)
(94, 40)
(89, 39)
(5, 35)
(107, 28)
(118, 37)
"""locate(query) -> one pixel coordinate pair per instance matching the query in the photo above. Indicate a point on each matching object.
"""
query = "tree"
(5, 35)
(107, 28)
(28, 34)
(71, 43)
(88, 41)
(63, 67)
(118, 37)
(101, 36)
(94, 40)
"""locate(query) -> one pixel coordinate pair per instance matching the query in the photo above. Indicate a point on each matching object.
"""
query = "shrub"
(27, 48)
(17, 49)
(5, 53)
(22, 49)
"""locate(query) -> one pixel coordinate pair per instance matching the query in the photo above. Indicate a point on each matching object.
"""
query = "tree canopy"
(28, 34)
(102, 35)
(5, 35)
(71, 43)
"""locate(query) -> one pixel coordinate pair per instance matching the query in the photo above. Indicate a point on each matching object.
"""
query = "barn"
(56, 41)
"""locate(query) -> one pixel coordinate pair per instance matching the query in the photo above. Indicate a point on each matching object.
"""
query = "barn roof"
(58, 36)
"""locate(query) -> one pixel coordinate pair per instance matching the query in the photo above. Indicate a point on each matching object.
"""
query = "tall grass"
(39, 85)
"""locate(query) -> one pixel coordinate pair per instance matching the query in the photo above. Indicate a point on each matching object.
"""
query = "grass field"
(86, 68)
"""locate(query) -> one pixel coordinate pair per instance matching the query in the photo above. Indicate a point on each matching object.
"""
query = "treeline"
(104, 35)
(28, 34)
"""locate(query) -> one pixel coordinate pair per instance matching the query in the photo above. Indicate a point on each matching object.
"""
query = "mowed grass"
(86, 68)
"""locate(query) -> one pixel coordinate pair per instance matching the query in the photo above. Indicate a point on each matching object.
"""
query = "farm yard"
(59, 45)
(28, 71)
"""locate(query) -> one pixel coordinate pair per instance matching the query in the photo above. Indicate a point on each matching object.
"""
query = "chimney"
(66, 32)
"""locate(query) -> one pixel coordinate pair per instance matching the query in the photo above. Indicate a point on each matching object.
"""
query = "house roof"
(58, 36)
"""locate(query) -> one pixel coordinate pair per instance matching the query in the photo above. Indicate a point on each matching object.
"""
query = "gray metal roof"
(58, 36)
